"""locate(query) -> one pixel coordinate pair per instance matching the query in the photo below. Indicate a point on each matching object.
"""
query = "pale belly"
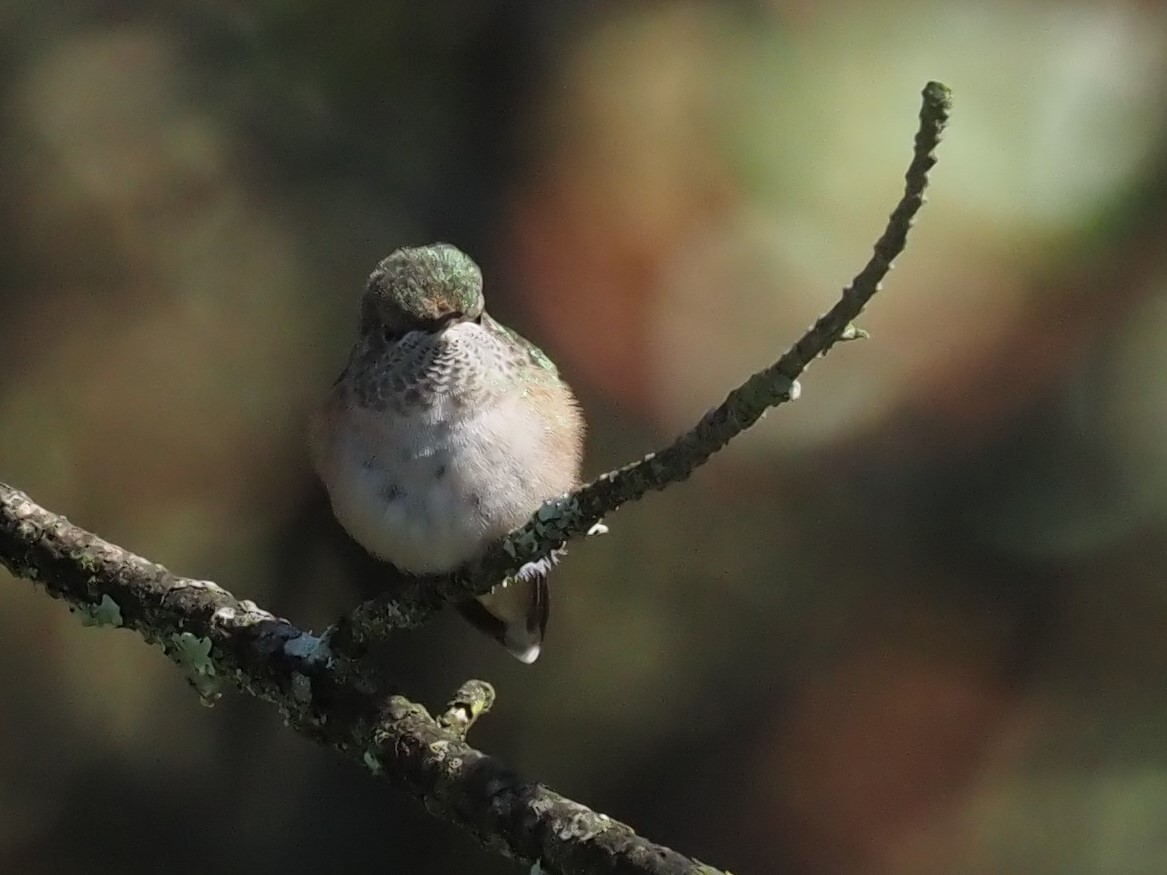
(428, 496)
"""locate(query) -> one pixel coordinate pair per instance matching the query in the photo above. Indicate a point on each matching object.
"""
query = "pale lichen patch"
(107, 612)
(194, 655)
(309, 648)
(254, 612)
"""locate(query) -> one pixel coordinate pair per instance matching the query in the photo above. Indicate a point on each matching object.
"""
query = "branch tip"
(473, 699)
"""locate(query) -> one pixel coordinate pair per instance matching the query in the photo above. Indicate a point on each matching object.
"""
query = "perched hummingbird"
(445, 431)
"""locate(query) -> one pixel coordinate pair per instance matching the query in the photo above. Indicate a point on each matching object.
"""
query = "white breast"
(428, 491)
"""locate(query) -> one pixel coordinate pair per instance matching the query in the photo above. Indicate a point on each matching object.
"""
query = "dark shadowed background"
(914, 623)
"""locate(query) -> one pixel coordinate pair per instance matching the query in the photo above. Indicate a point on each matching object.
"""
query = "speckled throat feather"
(465, 364)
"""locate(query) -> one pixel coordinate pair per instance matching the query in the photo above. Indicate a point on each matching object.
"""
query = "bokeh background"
(914, 623)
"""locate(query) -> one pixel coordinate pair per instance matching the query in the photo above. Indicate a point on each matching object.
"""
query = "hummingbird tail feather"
(514, 614)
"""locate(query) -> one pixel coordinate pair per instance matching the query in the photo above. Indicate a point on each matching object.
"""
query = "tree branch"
(559, 521)
(220, 640)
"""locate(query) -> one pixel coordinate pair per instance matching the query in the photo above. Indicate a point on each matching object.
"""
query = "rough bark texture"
(220, 640)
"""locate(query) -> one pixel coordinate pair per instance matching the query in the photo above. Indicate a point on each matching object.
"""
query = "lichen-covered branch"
(574, 515)
(220, 641)
(471, 701)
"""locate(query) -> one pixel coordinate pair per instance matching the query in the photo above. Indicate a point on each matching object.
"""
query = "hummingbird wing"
(528, 355)
(515, 612)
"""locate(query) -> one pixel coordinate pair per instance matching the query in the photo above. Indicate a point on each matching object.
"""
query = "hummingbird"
(445, 431)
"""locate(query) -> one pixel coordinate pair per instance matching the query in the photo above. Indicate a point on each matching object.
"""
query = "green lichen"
(309, 648)
(401, 708)
(549, 511)
(86, 562)
(194, 655)
(527, 542)
(374, 764)
(107, 612)
(853, 332)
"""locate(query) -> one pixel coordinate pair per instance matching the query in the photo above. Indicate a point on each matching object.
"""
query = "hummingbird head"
(421, 288)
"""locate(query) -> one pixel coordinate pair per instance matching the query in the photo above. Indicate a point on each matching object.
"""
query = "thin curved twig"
(559, 521)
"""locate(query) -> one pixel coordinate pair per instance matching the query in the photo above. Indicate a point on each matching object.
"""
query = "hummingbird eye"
(392, 333)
